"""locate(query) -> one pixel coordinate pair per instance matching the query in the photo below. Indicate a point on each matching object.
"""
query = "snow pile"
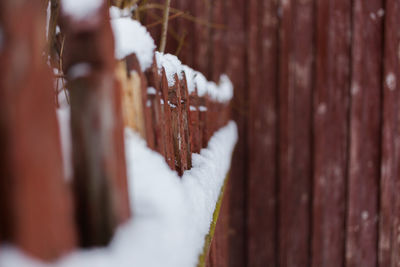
(190, 75)
(172, 65)
(171, 214)
(80, 9)
(131, 37)
(223, 92)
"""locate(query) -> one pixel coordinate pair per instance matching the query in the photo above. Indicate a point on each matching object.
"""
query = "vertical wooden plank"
(35, 202)
(331, 104)
(218, 254)
(201, 47)
(389, 227)
(153, 94)
(235, 40)
(365, 123)
(186, 33)
(181, 137)
(194, 122)
(262, 155)
(169, 141)
(185, 103)
(218, 51)
(295, 132)
(100, 182)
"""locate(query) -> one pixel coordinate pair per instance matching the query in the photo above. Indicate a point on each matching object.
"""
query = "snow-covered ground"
(171, 215)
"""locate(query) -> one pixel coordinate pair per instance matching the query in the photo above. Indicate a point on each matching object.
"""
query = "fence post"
(100, 181)
(35, 204)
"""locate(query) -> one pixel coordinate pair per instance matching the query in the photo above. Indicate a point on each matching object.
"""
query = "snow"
(63, 115)
(80, 9)
(151, 90)
(202, 108)
(225, 89)
(131, 37)
(48, 14)
(170, 213)
(201, 84)
(172, 66)
(391, 81)
(190, 75)
(78, 70)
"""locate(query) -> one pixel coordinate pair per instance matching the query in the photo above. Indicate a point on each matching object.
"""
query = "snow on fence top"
(133, 38)
(80, 9)
(171, 215)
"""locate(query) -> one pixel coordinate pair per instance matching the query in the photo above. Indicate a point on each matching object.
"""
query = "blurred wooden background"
(315, 178)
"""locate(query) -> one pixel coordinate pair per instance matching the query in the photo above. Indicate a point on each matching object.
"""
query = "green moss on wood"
(209, 236)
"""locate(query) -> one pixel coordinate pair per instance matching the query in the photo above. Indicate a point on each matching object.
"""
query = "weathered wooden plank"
(186, 33)
(185, 103)
(100, 182)
(295, 132)
(218, 52)
(235, 40)
(35, 202)
(262, 53)
(389, 227)
(194, 122)
(218, 255)
(331, 105)
(169, 140)
(202, 36)
(365, 122)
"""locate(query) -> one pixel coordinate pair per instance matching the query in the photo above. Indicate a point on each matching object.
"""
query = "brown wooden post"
(365, 134)
(100, 180)
(169, 142)
(35, 203)
(235, 40)
(185, 103)
(389, 223)
(154, 83)
(131, 80)
(194, 123)
(203, 121)
(175, 103)
(330, 111)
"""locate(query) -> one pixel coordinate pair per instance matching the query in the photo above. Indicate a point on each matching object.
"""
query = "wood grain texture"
(365, 122)
(100, 182)
(261, 192)
(330, 142)
(295, 132)
(35, 200)
(235, 68)
(389, 227)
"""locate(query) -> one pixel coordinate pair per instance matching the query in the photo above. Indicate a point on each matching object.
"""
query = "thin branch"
(171, 31)
(185, 16)
(164, 30)
(161, 21)
(181, 43)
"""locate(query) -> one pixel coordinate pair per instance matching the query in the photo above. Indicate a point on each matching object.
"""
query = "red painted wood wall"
(315, 176)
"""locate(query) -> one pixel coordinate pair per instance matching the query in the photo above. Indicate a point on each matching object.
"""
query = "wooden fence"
(40, 211)
(315, 177)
